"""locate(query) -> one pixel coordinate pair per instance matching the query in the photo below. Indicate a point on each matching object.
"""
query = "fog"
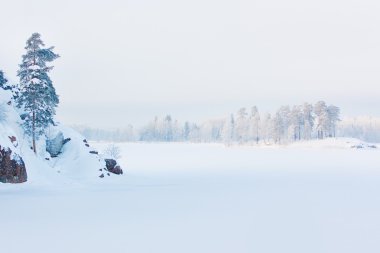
(127, 61)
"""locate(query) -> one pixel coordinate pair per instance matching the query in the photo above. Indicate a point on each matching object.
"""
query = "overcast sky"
(127, 61)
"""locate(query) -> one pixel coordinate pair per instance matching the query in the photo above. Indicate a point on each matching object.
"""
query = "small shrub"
(112, 151)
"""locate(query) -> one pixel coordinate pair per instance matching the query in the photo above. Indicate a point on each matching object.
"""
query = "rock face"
(112, 166)
(12, 167)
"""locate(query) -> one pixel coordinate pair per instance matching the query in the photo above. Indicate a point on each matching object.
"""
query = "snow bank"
(335, 143)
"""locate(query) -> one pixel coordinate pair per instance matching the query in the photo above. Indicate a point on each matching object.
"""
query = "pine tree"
(186, 131)
(320, 110)
(296, 122)
(168, 128)
(37, 95)
(333, 116)
(241, 132)
(282, 122)
(278, 128)
(3, 80)
(308, 120)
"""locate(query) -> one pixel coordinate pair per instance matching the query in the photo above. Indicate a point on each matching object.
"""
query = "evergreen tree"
(241, 132)
(278, 128)
(333, 116)
(3, 80)
(186, 131)
(296, 122)
(283, 122)
(320, 110)
(308, 120)
(37, 95)
(168, 128)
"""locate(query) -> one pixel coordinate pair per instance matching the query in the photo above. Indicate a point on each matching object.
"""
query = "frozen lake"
(179, 198)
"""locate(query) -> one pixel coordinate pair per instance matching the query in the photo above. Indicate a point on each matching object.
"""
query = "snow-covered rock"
(112, 166)
(61, 157)
(12, 167)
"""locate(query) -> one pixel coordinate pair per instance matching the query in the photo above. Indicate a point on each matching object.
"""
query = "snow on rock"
(112, 166)
(12, 167)
(69, 160)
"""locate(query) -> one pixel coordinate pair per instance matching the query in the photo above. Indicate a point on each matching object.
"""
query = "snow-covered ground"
(321, 196)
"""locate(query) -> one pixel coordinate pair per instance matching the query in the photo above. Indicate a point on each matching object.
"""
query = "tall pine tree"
(37, 95)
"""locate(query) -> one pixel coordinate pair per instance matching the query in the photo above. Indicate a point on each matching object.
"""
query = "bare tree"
(112, 151)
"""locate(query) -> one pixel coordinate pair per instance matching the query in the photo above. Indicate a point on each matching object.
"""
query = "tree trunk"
(34, 132)
(34, 113)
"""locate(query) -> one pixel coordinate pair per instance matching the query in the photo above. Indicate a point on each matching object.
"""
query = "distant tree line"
(301, 122)
(365, 128)
(287, 124)
(125, 134)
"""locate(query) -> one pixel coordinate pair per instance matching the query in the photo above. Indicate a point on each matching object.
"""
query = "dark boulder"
(112, 167)
(117, 170)
(12, 167)
(66, 140)
(13, 140)
(110, 163)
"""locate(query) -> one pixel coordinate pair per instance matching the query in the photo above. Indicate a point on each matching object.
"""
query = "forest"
(286, 125)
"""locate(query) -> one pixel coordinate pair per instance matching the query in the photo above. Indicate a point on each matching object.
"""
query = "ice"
(312, 197)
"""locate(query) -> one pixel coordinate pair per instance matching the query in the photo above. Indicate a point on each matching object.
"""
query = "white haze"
(127, 61)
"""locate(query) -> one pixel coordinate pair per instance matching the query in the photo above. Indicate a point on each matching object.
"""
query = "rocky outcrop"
(111, 166)
(12, 167)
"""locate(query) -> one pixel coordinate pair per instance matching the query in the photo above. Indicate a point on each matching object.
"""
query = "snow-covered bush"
(112, 151)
